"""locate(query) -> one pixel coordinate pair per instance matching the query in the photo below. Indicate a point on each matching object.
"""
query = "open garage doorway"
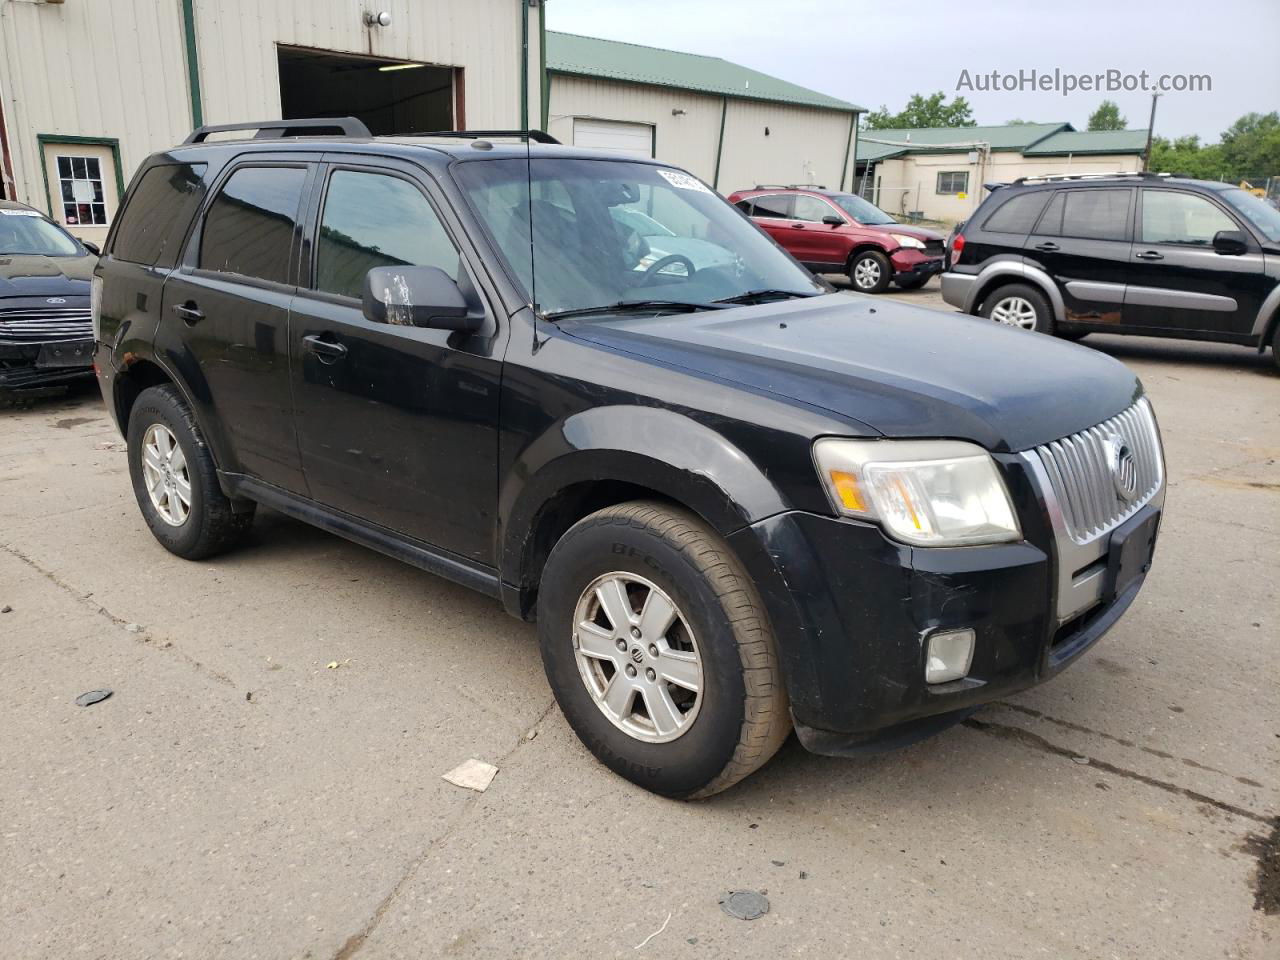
(390, 96)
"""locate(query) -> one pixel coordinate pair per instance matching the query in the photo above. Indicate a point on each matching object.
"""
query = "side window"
(157, 214)
(953, 181)
(812, 209)
(375, 220)
(1096, 214)
(744, 206)
(1017, 215)
(777, 206)
(1170, 217)
(249, 227)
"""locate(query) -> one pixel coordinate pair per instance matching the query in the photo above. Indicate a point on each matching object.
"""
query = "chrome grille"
(1080, 470)
(44, 325)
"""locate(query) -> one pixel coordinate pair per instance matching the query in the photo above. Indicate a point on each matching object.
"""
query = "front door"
(772, 214)
(225, 317)
(397, 425)
(1178, 282)
(1082, 242)
(817, 243)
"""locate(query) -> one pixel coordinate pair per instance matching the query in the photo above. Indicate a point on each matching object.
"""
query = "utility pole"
(1151, 125)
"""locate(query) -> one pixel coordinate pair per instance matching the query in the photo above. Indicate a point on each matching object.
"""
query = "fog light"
(950, 654)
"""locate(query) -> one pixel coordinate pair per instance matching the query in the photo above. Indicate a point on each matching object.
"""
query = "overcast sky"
(873, 54)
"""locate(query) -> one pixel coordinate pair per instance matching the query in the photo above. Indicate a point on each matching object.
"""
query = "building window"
(80, 187)
(953, 182)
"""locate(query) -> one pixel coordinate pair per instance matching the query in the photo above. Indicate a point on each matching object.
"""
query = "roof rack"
(1053, 177)
(537, 136)
(275, 129)
(789, 186)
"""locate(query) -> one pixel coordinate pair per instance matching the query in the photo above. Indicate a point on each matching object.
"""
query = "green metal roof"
(1089, 141)
(613, 60)
(1015, 136)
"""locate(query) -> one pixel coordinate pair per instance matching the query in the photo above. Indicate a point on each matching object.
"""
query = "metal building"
(88, 88)
(732, 126)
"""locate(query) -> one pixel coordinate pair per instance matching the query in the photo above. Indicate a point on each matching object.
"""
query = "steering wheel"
(658, 265)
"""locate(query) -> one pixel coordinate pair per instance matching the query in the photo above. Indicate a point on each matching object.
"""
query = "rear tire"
(175, 481)
(870, 272)
(1021, 306)
(717, 634)
(1275, 347)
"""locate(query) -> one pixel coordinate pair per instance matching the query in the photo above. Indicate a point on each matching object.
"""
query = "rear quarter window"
(156, 216)
(1017, 214)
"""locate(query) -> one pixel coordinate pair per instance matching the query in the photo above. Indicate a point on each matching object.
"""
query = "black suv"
(733, 500)
(1123, 253)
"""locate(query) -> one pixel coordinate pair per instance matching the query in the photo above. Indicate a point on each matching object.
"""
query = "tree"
(1186, 156)
(1107, 117)
(922, 111)
(1251, 146)
(1015, 122)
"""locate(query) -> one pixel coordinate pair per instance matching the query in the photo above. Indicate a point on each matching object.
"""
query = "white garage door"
(633, 139)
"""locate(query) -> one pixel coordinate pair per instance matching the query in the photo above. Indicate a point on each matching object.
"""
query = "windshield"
(608, 232)
(28, 232)
(861, 210)
(1258, 211)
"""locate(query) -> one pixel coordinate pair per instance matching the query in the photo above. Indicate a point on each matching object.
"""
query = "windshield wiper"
(759, 296)
(634, 306)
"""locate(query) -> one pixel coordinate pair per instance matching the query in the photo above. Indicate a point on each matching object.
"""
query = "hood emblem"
(56, 300)
(1124, 470)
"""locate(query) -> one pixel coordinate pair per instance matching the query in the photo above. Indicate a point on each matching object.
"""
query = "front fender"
(658, 449)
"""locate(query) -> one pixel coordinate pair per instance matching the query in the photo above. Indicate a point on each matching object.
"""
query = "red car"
(833, 232)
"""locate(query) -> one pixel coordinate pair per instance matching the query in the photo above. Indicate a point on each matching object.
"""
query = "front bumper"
(33, 366)
(912, 264)
(853, 610)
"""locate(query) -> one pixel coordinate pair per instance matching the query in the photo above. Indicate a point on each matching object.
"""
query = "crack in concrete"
(144, 638)
(1037, 742)
(357, 940)
(1163, 755)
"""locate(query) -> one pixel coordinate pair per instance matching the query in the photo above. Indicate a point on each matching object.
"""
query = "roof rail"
(789, 186)
(537, 136)
(1052, 177)
(275, 129)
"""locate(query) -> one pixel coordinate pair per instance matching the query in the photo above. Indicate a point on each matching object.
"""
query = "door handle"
(797, 226)
(189, 312)
(1047, 247)
(329, 351)
(1149, 255)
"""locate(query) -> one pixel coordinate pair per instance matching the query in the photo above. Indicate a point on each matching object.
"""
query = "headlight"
(934, 493)
(905, 241)
(95, 306)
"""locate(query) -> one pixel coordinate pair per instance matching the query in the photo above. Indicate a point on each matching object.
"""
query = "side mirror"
(832, 220)
(1230, 242)
(91, 247)
(417, 297)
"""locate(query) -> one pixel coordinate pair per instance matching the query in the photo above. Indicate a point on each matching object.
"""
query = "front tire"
(175, 480)
(1021, 306)
(659, 652)
(870, 272)
(915, 283)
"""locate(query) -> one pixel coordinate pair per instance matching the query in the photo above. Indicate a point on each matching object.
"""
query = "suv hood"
(920, 233)
(903, 371)
(25, 275)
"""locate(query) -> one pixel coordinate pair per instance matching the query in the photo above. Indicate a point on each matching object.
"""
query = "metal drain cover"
(744, 904)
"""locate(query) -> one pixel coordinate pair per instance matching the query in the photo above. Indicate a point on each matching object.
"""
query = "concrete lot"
(237, 798)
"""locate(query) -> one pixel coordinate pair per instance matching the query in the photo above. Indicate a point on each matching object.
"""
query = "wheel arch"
(862, 247)
(609, 455)
(1268, 319)
(1004, 272)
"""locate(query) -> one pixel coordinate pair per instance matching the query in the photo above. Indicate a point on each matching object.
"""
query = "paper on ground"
(473, 774)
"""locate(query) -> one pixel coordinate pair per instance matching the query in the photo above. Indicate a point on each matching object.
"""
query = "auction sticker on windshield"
(22, 213)
(683, 181)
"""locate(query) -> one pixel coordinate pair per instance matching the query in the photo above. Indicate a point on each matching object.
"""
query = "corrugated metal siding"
(237, 47)
(117, 68)
(91, 69)
(803, 145)
(687, 141)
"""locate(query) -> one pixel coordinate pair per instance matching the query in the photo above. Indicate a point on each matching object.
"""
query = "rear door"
(1082, 241)
(225, 313)
(772, 213)
(813, 242)
(1178, 282)
(397, 425)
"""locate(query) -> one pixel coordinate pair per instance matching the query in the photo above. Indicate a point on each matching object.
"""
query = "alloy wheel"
(638, 657)
(165, 473)
(866, 273)
(1015, 312)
